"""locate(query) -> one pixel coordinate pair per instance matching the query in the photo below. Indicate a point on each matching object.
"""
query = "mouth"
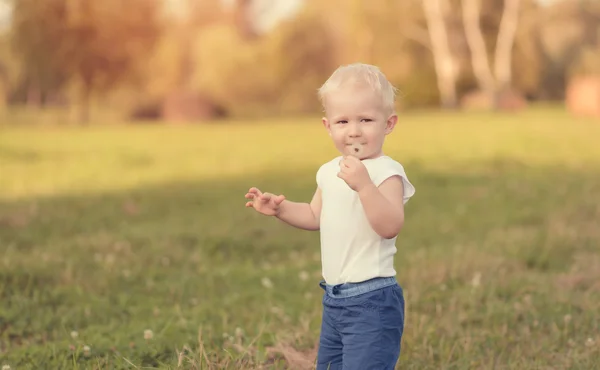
(355, 148)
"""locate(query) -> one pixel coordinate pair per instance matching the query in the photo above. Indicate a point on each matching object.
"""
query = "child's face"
(357, 122)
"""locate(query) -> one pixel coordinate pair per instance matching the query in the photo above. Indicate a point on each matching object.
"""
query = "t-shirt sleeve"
(392, 168)
(319, 176)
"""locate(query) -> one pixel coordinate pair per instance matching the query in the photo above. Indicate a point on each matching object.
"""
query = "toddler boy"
(358, 207)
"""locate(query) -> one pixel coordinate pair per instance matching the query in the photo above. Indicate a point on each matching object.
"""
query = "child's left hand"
(354, 173)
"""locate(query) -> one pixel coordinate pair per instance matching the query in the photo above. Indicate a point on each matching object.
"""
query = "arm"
(384, 206)
(304, 216)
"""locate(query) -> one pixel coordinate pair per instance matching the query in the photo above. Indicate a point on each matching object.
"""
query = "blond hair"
(360, 74)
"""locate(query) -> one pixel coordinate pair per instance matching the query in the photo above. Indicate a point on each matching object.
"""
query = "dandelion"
(86, 350)
(148, 334)
(239, 332)
(5, 367)
(267, 283)
(303, 276)
(276, 310)
(110, 259)
(74, 334)
(476, 281)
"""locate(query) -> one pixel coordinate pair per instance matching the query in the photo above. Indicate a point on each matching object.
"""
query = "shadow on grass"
(179, 256)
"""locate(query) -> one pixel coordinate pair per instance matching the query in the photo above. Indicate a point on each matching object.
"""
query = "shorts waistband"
(346, 290)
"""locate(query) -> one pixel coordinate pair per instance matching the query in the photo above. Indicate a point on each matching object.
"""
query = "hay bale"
(583, 96)
(146, 111)
(505, 100)
(185, 106)
(476, 100)
(511, 100)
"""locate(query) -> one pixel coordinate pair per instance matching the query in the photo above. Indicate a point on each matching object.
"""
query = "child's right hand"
(265, 203)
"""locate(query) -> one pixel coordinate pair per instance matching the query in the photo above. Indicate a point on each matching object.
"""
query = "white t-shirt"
(351, 251)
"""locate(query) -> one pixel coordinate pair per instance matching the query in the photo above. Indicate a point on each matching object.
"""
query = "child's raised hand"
(265, 203)
(354, 173)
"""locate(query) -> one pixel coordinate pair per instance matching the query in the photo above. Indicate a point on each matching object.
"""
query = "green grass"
(111, 231)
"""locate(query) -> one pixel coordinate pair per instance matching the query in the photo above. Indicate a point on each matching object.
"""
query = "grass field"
(130, 247)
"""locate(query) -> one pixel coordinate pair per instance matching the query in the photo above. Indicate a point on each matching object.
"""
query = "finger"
(265, 197)
(278, 199)
(249, 196)
(249, 204)
(351, 159)
(255, 191)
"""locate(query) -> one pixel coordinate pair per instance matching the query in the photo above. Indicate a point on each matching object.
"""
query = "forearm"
(299, 215)
(385, 218)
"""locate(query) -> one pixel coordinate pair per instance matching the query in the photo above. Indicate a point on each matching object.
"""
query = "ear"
(391, 123)
(326, 124)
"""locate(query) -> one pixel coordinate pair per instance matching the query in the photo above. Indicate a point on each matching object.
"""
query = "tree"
(84, 46)
(488, 82)
(446, 70)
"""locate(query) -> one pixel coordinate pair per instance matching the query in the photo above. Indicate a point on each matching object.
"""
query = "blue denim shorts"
(362, 325)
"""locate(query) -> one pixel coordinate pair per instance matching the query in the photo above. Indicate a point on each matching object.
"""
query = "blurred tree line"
(208, 58)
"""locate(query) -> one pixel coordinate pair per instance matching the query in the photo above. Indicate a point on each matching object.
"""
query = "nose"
(354, 130)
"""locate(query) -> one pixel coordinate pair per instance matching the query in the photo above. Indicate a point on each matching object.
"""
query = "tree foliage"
(85, 46)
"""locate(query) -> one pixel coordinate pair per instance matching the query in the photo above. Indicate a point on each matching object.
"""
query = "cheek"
(337, 134)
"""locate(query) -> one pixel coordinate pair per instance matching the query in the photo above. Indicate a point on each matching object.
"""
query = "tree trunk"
(34, 97)
(504, 45)
(443, 61)
(479, 58)
(81, 98)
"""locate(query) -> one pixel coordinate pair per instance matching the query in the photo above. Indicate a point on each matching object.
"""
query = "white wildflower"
(476, 281)
(5, 367)
(148, 334)
(86, 350)
(267, 283)
(303, 276)
(74, 334)
(239, 332)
